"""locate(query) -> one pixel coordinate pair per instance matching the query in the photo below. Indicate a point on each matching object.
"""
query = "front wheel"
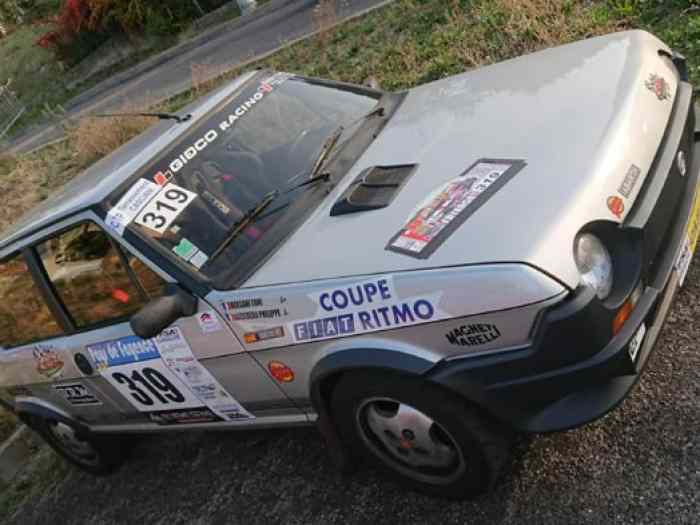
(427, 438)
(97, 455)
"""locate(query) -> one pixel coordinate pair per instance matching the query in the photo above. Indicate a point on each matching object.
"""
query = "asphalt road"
(640, 464)
(218, 50)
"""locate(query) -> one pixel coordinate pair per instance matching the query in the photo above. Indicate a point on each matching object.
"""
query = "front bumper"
(528, 388)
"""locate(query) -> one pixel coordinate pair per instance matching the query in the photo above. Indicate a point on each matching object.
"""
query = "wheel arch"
(27, 408)
(329, 368)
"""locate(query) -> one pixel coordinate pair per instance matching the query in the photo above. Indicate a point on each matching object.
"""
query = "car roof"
(102, 178)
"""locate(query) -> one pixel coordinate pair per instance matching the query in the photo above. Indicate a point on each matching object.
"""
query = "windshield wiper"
(333, 139)
(162, 116)
(254, 212)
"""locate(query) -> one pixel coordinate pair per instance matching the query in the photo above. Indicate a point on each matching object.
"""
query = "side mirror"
(160, 313)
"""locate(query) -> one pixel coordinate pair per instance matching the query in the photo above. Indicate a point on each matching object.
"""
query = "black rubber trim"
(59, 311)
(29, 408)
(662, 166)
(364, 358)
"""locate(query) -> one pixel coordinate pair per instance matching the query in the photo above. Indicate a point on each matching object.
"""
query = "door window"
(24, 316)
(91, 278)
(150, 281)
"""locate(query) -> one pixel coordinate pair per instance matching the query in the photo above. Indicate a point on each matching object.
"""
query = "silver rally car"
(421, 273)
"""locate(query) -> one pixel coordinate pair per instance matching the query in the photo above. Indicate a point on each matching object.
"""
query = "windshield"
(266, 138)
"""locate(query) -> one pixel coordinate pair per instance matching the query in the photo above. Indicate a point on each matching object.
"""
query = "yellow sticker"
(694, 222)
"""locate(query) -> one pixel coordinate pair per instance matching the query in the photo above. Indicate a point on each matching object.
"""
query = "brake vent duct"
(374, 188)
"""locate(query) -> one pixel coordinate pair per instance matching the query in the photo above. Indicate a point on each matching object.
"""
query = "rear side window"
(91, 277)
(24, 316)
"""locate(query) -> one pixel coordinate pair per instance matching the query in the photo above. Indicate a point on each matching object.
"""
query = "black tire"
(105, 454)
(476, 447)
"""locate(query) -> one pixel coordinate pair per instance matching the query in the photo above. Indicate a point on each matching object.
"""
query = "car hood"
(576, 119)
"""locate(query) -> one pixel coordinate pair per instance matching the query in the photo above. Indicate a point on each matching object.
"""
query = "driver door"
(195, 371)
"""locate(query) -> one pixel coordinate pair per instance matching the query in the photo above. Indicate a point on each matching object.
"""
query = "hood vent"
(374, 188)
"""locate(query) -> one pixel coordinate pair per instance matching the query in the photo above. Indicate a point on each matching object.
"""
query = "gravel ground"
(640, 464)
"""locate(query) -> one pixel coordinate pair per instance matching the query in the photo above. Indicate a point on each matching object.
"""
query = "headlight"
(594, 263)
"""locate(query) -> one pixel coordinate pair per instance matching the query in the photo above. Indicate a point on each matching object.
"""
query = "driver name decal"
(449, 207)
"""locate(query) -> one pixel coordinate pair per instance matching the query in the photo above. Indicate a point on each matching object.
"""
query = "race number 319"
(165, 207)
(150, 386)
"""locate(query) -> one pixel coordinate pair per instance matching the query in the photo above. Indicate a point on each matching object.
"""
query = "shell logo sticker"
(658, 85)
(280, 371)
(616, 206)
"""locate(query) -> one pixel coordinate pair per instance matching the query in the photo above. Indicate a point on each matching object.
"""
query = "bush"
(132, 16)
(78, 31)
(82, 25)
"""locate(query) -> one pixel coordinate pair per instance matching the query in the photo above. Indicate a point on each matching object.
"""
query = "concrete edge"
(16, 149)
(281, 47)
(152, 63)
(15, 452)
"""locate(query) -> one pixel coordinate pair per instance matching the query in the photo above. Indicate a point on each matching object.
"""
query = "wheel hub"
(67, 438)
(409, 440)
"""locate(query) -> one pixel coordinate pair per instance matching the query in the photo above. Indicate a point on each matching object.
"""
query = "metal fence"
(10, 109)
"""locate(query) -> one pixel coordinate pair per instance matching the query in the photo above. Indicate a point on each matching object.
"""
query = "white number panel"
(150, 386)
(165, 207)
(162, 377)
(133, 366)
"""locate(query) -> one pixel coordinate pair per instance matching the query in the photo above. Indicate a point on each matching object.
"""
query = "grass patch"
(29, 179)
(45, 469)
(8, 424)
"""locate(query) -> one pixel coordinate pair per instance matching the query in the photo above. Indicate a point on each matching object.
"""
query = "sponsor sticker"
(263, 335)
(185, 249)
(77, 394)
(131, 203)
(161, 178)
(178, 356)
(636, 342)
(129, 349)
(280, 371)
(199, 259)
(658, 85)
(475, 334)
(190, 253)
(184, 417)
(266, 87)
(208, 322)
(630, 181)
(48, 362)
(616, 206)
(451, 205)
(689, 243)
